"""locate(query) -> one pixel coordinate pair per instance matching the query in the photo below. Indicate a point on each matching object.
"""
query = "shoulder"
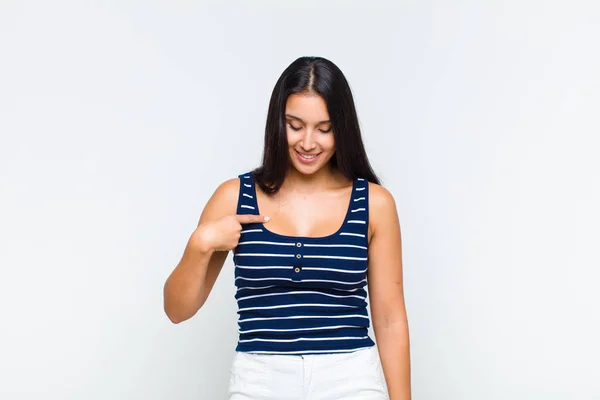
(228, 190)
(379, 197)
(223, 201)
(382, 205)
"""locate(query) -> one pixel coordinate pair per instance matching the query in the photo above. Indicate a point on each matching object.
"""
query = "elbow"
(391, 319)
(180, 308)
(179, 314)
(172, 311)
(175, 317)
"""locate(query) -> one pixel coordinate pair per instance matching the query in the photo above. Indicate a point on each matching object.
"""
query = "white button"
(297, 269)
(298, 256)
(298, 244)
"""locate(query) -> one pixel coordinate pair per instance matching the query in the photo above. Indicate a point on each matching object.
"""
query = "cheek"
(329, 144)
(292, 137)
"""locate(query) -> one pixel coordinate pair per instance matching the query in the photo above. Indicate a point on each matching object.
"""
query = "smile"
(307, 158)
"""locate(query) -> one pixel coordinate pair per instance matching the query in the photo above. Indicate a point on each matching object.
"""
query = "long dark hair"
(321, 76)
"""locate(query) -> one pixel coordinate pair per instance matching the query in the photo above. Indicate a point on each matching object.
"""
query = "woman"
(309, 228)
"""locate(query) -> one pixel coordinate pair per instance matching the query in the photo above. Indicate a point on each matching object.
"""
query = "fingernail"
(267, 218)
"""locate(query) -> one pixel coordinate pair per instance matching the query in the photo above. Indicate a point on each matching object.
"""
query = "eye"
(328, 130)
(293, 127)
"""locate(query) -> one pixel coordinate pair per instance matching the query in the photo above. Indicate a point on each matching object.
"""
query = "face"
(309, 132)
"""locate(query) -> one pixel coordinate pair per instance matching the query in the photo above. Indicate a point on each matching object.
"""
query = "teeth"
(308, 156)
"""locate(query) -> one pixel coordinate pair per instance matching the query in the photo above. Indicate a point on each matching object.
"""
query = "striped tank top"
(302, 295)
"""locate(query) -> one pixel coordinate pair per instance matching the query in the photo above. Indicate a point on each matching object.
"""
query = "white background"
(118, 119)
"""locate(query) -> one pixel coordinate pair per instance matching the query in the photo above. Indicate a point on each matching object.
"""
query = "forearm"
(394, 351)
(184, 289)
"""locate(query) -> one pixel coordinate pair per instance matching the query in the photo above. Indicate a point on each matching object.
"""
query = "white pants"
(349, 376)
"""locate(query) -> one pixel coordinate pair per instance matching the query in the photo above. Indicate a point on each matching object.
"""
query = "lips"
(307, 158)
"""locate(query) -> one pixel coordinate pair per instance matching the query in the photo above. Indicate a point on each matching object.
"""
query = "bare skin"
(218, 232)
(312, 202)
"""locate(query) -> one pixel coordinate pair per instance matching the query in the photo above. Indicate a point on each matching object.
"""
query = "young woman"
(310, 229)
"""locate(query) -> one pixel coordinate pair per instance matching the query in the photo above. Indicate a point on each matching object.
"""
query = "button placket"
(297, 268)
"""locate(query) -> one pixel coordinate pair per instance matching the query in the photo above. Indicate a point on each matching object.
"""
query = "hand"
(223, 234)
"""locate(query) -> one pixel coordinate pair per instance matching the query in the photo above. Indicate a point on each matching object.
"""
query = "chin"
(306, 171)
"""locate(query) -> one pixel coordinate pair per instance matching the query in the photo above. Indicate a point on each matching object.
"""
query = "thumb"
(251, 218)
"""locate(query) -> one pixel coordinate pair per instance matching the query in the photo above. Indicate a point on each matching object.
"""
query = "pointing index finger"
(251, 218)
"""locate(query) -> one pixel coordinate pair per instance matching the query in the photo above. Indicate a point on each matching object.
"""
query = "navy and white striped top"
(302, 295)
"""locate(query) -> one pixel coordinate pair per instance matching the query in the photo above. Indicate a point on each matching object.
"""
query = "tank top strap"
(247, 203)
(362, 190)
(356, 223)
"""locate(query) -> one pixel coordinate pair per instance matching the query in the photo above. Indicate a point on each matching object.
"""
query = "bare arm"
(386, 293)
(192, 280)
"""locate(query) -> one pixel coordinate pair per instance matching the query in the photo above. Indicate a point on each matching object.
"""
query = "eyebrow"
(300, 119)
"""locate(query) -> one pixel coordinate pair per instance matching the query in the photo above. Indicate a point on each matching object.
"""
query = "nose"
(308, 141)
